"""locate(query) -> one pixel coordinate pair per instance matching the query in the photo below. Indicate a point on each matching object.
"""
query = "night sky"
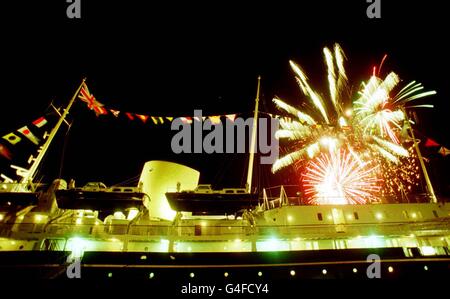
(173, 57)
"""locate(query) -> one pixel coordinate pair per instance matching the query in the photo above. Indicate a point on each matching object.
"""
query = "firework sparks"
(339, 178)
(378, 113)
(330, 144)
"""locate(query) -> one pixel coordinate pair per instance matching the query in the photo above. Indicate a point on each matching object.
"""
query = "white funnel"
(159, 177)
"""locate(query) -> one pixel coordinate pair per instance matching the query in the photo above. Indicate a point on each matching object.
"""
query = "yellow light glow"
(38, 218)
(390, 269)
(425, 268)
(427, 250)
(192, 275)
(119, 215)
(348, 112)
(260, 273)
(151, 275)
(355, 270)
(324, 271)
(414, 215)
(79, 221)
(290, 218)
(225, 274)
(132, 214)
(379, 216)
(292, 273)
(76, 246)
(203, 223)
(2, 216)
(237, 240)
(272, 244)
(375, 241)
(350, 217)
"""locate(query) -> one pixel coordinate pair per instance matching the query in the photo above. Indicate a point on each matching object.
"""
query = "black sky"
(173, 57)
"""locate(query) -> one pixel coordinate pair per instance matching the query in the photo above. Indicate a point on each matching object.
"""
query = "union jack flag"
(91, 102)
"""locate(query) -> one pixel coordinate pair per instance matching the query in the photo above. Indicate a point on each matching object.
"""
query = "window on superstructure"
(319, 216)
(356, 215)
(435, 214)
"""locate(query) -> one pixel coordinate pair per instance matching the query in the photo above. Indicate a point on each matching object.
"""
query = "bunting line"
(99, 109)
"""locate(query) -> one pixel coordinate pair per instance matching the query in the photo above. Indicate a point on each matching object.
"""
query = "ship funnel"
(159, 177)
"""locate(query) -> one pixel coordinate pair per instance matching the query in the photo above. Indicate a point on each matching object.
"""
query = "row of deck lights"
(260, 273)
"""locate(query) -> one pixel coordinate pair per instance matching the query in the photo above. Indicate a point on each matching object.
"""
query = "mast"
(248, 185)
(422, 164)
(28, 178)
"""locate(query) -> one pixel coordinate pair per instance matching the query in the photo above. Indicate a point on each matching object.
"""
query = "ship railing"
(284, 195)
(37, 230)
(281, 195)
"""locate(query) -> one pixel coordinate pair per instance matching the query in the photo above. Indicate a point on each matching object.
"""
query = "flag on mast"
(142, 117)
(115, 112)
(12, 138)
(129, 115)
(5, 152)
(27, 133)
(92, 103)
(444, 151)
(40, 122)
(431, 143)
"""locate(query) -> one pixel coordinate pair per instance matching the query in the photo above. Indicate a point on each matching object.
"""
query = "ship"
(171, 229)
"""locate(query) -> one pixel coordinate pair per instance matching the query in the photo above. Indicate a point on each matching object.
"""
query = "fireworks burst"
(372, 128)
(340, 178)
(378, 113)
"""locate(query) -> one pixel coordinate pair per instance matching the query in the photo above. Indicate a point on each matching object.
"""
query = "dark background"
(170, 58)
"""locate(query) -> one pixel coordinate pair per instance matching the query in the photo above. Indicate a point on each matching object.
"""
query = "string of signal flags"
(99, 109)
(93, 104)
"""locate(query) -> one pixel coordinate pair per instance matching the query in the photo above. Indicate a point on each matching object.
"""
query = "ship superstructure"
(138, 226)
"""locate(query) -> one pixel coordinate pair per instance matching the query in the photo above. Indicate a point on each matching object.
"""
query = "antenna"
(253, 140)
